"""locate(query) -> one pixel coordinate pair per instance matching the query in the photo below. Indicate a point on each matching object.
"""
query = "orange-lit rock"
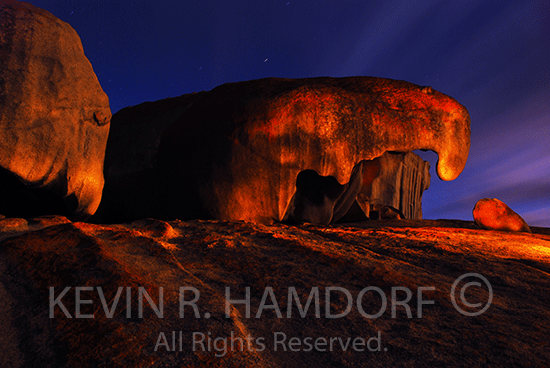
(397, 180)
(54, 116)
(237, 151)
(493, 214)
(211, 256)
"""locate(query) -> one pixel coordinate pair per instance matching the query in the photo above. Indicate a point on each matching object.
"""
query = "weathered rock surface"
(397, 180)
(54, 116)
(235, 153)
(493, 214)
(135, 134)
(211, 256)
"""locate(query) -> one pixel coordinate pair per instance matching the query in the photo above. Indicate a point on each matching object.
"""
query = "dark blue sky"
(492, 56)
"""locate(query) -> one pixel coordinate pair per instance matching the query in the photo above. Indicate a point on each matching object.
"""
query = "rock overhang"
(267, 131)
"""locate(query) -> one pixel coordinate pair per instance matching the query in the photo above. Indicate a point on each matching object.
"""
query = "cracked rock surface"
(210, 256)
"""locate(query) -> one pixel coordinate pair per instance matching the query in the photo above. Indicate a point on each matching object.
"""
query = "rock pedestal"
(400, 182)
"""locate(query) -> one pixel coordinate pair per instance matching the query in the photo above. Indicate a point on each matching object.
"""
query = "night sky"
(492, 56)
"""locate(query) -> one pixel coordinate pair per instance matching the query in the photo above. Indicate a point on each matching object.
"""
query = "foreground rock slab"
(113, 264)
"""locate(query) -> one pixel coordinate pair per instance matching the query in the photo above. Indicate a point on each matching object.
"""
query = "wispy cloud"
(510, 161)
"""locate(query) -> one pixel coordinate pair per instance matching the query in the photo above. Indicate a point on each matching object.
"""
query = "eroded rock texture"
(211, 256)
(237, 152)
(54, 117)
(399, 181)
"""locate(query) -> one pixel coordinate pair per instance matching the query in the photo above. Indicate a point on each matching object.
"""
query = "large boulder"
(54, 117)
(493, 214)
(236, 153)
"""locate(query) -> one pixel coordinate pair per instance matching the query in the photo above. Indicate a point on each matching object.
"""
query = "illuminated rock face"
(237, 152)
(493, 214)
(54, 116)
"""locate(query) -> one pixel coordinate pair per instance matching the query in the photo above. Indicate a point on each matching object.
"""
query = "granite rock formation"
(37, 267)
(397, 180)
(235, 153)
(493, 214)
(54, 117)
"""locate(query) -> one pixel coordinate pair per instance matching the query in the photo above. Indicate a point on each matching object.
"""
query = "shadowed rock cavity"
(54, 116)
(383, 188)
(321, 199)
(20, 200)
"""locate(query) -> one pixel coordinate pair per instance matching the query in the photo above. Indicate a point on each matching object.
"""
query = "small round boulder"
(493, 214)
